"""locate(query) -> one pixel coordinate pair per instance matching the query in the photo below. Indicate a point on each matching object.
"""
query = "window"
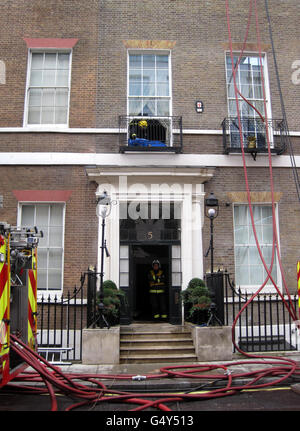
(149, 85)
(249, 270)
(50, 219)
(250, 84)
(48, 88)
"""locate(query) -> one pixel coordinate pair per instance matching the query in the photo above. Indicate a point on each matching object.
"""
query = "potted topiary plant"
(196, 300)
(112, 302)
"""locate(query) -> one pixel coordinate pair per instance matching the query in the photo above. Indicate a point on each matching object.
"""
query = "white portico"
(183, 186)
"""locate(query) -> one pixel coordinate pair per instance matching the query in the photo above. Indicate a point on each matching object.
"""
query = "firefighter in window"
(157, 289)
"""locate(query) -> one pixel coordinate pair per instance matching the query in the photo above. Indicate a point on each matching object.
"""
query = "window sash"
(149, 89)
(48, 89)
(48, 217)
(249, 269)
(249, 83)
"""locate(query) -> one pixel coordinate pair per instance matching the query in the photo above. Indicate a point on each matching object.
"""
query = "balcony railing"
(160, 134)
(254, 135)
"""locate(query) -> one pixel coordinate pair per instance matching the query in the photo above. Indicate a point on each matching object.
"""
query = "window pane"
(42, 258)
(54, 279)
(135, 61)
(254, 256)
(61, 116)
(175, 265)
(267, 217)
(149, 61)
(35, 97)
(241, 255)
(135, 89)
(124, 251)
(135, 75)
(241, 234)
(61, 97)
(63, 61)
(36, 78)
(176, 279)
(62, 78)
(124, 265)
(162, 61)
(50, 61)
(42, 279)
(124, 279)
(163, 107)
(162, 75)
(56, 215)
(148, 75)
(162, 89)
(42, 215)
(55, 258)
(242, 275)
(149, 107)
(27, 218)
(37, 61)
(55, 236)
(34, 115)
(149, 89)
(47, 115)
(48, 97)
(256, 275)
(135, 107)
(49, 78)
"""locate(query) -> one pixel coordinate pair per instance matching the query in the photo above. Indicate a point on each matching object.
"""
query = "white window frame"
(151, 52)
(51, 293)
(266, 83)
(253, 288)
(26, 104)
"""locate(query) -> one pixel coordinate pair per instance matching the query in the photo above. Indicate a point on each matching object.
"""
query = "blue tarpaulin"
(140, 142)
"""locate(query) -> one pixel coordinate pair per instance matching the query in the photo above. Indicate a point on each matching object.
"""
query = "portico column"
(197, 245)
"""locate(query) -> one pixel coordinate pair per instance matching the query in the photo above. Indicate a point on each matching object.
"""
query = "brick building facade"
(73, 68)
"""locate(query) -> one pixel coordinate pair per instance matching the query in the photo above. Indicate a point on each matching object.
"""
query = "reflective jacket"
(156, 281)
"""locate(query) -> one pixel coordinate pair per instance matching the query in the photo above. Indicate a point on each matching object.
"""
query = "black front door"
(148, 239)
(141, 258)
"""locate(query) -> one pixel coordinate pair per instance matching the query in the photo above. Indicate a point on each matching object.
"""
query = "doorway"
(141, 258)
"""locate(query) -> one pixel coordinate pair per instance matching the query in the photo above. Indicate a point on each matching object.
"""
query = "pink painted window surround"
(42, 195)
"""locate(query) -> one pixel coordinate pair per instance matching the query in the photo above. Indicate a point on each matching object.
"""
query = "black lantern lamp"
(103, 210)
(212, 212)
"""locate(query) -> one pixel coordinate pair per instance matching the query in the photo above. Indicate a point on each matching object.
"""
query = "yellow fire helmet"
(143, 123)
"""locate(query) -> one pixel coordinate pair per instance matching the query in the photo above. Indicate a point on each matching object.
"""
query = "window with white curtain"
(250, 77)
(149, 85)
(249, 83)
(249, 269)
(48, 88)
(50, 219)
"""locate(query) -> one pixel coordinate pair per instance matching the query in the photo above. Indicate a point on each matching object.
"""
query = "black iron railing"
(254, 133)
(264, 325)
(160, 134)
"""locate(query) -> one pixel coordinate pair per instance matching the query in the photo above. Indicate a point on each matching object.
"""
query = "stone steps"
(154, 343)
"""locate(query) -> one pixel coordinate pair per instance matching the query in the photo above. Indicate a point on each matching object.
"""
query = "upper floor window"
(250, 77)
(149, 85)
(48, 88)
(249, 83)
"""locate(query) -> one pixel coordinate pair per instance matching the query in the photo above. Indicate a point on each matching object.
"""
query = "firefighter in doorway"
(157, 286)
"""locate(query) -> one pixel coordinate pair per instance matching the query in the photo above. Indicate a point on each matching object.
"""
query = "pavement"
(142, 380)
